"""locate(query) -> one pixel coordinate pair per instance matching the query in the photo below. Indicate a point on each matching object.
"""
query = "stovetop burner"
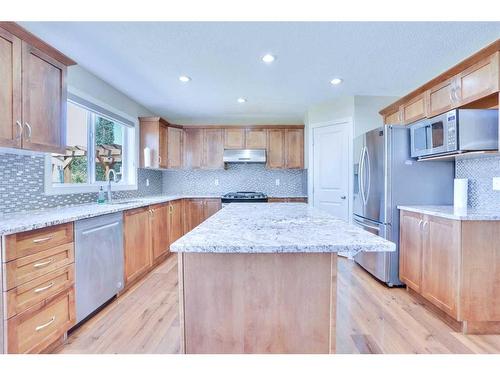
(244, 196)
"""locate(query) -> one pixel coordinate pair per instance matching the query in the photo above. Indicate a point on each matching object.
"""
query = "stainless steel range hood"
(244, 156)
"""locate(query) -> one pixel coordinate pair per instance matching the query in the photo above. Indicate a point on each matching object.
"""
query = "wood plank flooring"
(371, 318)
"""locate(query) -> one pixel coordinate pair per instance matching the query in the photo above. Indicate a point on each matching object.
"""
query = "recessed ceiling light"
(184, 78)
(241, 100)
(336, 81)
(268, 58)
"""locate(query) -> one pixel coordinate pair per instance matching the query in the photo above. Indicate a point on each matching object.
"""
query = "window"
(97, 140)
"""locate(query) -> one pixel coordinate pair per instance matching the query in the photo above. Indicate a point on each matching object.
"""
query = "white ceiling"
(144, 60)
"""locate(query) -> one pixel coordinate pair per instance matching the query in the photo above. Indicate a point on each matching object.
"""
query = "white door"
(331, 148)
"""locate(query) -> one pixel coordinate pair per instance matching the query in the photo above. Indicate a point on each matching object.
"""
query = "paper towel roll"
(147, 157)
(460, 190)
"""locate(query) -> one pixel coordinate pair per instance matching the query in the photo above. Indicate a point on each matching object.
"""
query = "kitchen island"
(261, 278)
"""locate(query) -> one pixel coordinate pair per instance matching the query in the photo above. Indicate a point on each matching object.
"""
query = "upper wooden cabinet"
(285, 148)
(464, 85)
(413, 110)
(10, 90)
(213, 149)
(33, 92)
(241, 138)
(164, 140)
(256, 138)
(175, 150)
(393, 118)
(193, 148)
(478, 81)
(234, 138)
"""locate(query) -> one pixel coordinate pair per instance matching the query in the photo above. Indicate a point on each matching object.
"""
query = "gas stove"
(244, 197)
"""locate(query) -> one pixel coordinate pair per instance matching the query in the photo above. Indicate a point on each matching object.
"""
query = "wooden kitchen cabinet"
(440, 98)
(234, 138)
(10, 90)
(159, 232)
(213, 149)
(137, 243)
(410, 254)
(414, 110)
(33, 92)
(452, 264)
(393, 118)
(256, 139)
(175, 220)
(440, 263)
(430, 258)
(175, 142)
(285, 149)
(276, 148)
(193, 148)
(479, 80)
(197, 210)
(164, 140)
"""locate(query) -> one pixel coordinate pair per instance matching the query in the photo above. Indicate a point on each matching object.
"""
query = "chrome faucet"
(108, 178)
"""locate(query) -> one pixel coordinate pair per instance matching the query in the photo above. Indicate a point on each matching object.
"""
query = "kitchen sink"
(117, 203)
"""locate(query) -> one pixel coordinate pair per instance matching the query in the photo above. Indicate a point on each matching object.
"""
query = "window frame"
(130, 150)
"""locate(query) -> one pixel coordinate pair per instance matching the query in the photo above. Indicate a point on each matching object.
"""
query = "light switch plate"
(216, 182)
(277, 182)
(147, 181)
(496, 183)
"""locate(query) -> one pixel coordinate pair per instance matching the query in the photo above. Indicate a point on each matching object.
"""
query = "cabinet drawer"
(19, 299)
(41, 325)
(22, 270)
(28, 243)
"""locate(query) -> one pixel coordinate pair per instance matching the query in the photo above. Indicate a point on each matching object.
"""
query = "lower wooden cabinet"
(175, 220)
(159, 232)
(198, 210)
(452, 264)
(137, 243)
(41, 325)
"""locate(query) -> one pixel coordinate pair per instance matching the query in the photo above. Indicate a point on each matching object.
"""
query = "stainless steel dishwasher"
(99, 262)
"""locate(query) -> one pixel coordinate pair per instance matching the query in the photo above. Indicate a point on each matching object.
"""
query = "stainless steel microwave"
(456, 131)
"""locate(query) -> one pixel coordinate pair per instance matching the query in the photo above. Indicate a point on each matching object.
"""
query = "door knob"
(343, 197)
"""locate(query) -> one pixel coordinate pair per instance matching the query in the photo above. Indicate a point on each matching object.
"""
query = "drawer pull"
(40, 327)
(43, 264)
(40, 240)
(38, 290)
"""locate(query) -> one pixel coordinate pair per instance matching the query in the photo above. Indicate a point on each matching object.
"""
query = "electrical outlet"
(496, 183)
(216, 182)
(277, 182)
(147, 181)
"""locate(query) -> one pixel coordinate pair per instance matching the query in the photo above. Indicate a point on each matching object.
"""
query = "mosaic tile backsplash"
(22, 185)
(237, 177)
(480, 172)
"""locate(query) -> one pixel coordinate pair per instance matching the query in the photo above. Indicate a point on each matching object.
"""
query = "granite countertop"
(24, 221)
(277, 228)
(448, 212)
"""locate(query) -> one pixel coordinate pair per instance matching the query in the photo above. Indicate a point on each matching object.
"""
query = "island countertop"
(277, 228)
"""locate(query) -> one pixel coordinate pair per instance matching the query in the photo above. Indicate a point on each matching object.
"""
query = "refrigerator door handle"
(359, 222)
(369, 177)
(362, 176)
(360, 170)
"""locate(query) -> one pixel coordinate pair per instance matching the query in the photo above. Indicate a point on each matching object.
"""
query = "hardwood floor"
(371, 318)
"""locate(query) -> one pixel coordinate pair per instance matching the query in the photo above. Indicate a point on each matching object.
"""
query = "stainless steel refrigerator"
(384, 177)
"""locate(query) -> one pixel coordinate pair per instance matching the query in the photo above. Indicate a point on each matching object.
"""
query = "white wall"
(84, 81)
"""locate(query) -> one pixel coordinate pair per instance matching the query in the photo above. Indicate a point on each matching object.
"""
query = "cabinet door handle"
(40, 327)
(43, 264)
(39, 290)
(40, 240)
(20, 130)
(420, 224)
(29, 131)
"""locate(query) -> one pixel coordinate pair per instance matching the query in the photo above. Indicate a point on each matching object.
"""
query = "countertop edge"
(448, 212)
